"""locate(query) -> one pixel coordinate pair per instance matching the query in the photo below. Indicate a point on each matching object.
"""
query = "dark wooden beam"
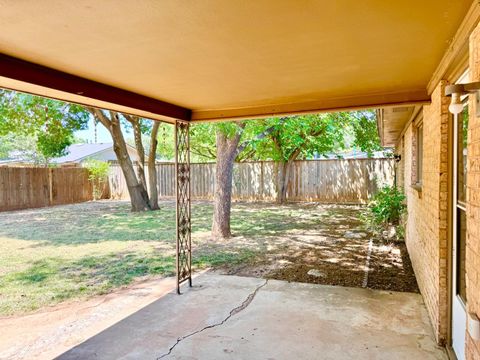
(21, 70)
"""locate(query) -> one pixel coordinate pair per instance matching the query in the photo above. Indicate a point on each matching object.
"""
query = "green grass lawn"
(51, 254)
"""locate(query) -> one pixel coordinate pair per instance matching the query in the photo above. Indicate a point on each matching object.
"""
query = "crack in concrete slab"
(233, 312)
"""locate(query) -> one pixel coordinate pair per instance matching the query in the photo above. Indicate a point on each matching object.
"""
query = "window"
(461, 198)
(417, 154)
(462, 130)
(419, 168)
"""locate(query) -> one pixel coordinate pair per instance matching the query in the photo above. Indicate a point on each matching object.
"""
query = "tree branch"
(208, 155)
(260, 136)
(100, 116)
(245, 156)
(293, 156)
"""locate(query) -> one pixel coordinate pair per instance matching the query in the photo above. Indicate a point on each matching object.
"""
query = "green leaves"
(302, 136)
(294, 137)
(98, 172)
(387, 206)
(166, 141)
(365, 132)
(49, 122)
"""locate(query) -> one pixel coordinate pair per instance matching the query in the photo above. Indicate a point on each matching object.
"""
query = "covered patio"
(186, 62)
(231, 317)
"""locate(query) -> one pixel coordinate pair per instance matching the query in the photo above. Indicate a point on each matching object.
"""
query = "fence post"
(262, 182)
(50, 186)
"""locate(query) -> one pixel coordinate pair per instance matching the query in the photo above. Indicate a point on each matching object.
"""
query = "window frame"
(419, 155)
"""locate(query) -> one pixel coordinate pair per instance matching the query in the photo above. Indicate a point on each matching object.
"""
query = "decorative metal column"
(182, 188)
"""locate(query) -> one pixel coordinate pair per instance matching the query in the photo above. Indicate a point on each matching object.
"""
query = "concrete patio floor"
(231, 317)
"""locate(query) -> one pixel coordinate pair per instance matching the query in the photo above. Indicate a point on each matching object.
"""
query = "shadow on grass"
(113, 221)
(276, 220)
(94, 223)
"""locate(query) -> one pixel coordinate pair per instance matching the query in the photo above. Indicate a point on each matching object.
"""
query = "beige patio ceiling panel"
(226, 59)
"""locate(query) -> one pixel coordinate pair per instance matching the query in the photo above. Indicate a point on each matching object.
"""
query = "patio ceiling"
(214, 59)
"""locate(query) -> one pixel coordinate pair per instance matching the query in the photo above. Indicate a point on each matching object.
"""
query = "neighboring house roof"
(79, 152)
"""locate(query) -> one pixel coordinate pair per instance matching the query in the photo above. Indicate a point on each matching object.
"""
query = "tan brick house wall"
(426, 226)
(428, 216)
(473, 200)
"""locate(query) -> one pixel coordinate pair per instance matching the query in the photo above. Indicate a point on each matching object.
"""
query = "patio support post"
(183, 206)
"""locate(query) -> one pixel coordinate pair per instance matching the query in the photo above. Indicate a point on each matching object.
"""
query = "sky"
(103, 135)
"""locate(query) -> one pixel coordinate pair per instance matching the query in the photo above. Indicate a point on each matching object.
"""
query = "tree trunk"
(152, 169)
(284, 167)
(283, 180)
(284, 175)
(138, 195)
(137, 135)
(226, 154)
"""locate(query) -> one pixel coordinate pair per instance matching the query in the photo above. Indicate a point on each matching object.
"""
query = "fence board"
(328, 181)
(22, 188)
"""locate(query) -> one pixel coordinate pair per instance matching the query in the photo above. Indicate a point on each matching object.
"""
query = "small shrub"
(386, 209)
(387, 206)
(98, 172)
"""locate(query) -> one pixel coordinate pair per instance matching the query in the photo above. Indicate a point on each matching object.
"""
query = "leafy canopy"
(295, 137)
(51, 123)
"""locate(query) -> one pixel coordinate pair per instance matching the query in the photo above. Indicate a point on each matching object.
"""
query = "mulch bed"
(337, 256)
(392, 272)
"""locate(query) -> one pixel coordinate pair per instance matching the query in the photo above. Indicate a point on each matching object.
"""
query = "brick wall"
(426, 227)
(473, 200)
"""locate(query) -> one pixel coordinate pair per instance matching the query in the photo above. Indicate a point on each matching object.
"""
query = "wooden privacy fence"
(329, 181)
(22, 188)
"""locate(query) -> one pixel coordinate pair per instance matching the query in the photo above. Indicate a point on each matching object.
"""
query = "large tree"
(283, 140)
(228, 148)
(136, 181)
(302, 137)
(136, 186)
(308, 137)
(152, 168)
(45, 125)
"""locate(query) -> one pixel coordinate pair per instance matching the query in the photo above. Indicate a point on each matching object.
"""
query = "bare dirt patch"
(329, 246)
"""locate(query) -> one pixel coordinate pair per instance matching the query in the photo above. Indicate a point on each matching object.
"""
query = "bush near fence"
(329, 181)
